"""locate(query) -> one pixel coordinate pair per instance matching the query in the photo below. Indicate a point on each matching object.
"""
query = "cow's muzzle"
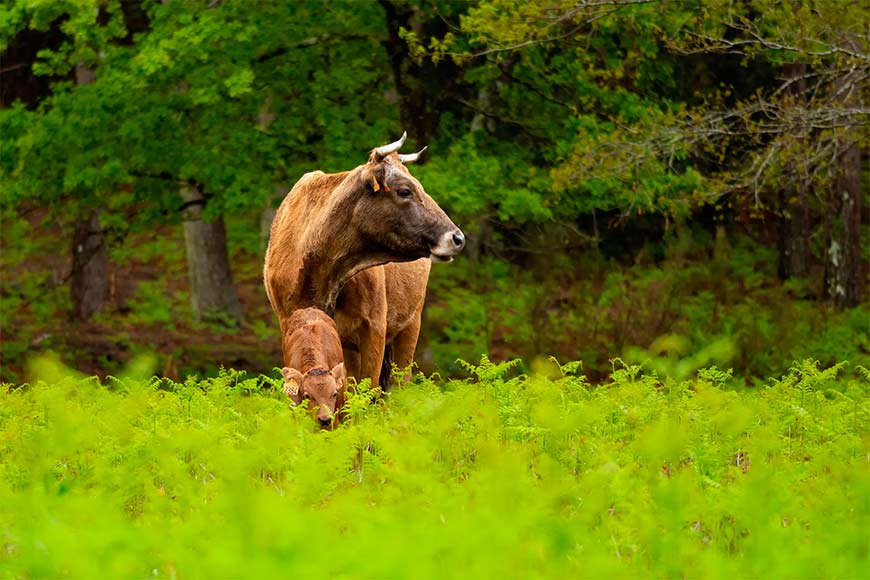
(449, 244)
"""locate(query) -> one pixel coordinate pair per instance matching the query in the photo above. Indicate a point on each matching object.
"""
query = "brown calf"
(331, 227)
(314, 371)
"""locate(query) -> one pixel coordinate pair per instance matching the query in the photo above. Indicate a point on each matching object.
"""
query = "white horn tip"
(412, 157)
(385, 150)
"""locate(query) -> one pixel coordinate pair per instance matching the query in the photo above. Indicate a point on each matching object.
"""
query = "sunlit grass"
(498, 476)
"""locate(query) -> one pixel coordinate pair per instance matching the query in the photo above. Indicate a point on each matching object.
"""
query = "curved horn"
(411, 157)
(385, 150)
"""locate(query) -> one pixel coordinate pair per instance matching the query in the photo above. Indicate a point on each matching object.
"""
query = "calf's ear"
(338, 373)
(292, 381)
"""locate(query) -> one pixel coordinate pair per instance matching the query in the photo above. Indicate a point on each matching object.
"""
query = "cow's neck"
(337, 254)
(321, 280)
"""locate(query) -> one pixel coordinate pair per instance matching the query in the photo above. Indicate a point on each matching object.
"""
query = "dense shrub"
(696, 304)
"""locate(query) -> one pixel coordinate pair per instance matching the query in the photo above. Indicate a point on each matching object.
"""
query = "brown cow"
(314, 373)
(333, 226)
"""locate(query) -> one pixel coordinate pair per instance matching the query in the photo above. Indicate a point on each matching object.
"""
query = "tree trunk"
(843, 247)
(265, 117)
(425, 88)
(793, 234)
(843, 232)
(267, 216)
(90, 266)
(793, 201)
(212, 293)
(89, 282)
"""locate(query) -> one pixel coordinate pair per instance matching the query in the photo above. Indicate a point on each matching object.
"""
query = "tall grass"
(496, 476)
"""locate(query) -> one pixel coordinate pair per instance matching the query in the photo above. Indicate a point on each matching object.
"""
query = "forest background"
(678, 184)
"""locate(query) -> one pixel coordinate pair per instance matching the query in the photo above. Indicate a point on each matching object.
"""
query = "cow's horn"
(411, 157)
(385, 150)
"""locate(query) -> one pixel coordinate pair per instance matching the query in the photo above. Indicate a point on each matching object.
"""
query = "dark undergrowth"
(686, 301)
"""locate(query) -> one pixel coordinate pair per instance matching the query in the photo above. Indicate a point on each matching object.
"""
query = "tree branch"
(322, 40)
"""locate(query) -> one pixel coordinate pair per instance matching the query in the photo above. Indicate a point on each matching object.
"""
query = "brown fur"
(379, 311)
(331, 227)
(314, 370)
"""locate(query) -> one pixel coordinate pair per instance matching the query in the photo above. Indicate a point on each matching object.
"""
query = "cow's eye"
(404, 193)
(335, 395)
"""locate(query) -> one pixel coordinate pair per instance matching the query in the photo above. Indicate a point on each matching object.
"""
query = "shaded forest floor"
(148, 310)
(690, 300)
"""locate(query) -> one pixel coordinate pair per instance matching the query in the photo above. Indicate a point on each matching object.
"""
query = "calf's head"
(396, 214)
(320, 390)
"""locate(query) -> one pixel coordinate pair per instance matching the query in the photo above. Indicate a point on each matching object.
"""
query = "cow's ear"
(374, 178)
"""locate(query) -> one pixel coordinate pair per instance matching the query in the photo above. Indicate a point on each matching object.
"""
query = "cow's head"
(320, 390)
(396, 214)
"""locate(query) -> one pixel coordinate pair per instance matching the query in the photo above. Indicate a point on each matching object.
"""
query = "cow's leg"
(371, 352)
(405, 345)
(352, 363)
(361, 318)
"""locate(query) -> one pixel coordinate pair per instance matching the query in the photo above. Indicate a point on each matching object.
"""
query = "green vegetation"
(494, 476)
(674, 193)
